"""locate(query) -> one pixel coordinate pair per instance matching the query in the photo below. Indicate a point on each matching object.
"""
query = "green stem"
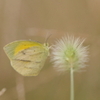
(71, 84)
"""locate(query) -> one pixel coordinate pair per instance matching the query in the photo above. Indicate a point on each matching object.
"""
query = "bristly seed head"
(69, 52)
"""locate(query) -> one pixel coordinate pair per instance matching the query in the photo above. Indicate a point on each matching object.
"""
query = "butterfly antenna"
(48, 38)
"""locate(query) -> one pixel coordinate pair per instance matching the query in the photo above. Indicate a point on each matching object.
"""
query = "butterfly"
(27, 57)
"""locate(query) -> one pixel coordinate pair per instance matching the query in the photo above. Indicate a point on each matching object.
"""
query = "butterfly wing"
(29, 61)
(15, 47)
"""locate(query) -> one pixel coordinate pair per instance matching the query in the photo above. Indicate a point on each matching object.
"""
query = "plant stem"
(71, 84)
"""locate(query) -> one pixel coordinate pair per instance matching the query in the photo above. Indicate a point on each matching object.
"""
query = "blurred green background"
(35, 19)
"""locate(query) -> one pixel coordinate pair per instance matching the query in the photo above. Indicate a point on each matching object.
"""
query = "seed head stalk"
(71, 83)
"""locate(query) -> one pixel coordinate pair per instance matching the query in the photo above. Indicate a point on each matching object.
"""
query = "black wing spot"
(23, 52)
